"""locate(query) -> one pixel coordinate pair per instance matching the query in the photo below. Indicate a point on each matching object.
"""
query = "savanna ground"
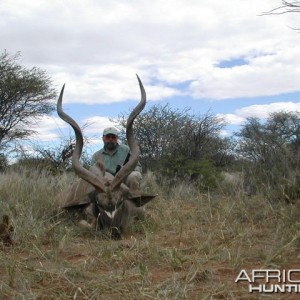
(191, 246)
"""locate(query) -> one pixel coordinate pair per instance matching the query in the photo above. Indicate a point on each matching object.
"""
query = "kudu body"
(107, 201)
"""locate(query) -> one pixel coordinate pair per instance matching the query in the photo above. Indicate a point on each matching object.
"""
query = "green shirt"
(117, 158)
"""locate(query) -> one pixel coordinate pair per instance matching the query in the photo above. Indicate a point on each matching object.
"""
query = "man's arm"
(95, 157)
(138, 168)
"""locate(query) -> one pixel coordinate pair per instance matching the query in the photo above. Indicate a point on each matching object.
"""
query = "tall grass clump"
(27, 196)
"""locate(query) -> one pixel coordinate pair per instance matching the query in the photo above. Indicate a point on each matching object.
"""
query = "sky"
(209, 55)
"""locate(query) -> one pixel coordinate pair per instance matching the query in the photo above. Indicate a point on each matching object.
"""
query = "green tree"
(180, 144)
(272, 148)
(263, 143)
(3, 162)
(25, 94)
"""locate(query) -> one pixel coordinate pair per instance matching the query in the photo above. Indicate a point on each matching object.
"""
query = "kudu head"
(109, 192)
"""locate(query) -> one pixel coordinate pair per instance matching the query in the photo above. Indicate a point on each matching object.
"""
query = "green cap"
(111, 130)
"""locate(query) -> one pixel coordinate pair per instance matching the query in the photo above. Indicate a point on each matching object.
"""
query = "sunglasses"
(110, 137)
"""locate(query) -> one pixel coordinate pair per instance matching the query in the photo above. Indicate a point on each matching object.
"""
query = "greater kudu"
(109, 204)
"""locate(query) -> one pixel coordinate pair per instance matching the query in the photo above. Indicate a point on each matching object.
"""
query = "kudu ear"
(140, 200)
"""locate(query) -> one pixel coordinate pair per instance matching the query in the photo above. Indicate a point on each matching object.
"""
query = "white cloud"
(55, 129)
(96, 47)
(48, 128)
(261, 111)
(100, 85)
(97, 124)
(264, 75)
(233, 119)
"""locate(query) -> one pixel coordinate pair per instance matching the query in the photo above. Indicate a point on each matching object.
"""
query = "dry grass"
(192, 246)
